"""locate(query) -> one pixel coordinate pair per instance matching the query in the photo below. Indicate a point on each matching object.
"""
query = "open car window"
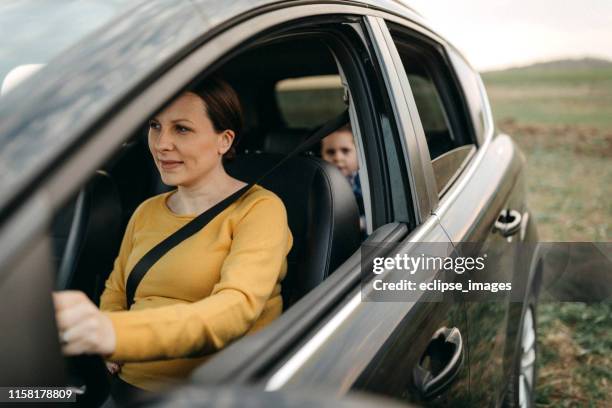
(277, 118)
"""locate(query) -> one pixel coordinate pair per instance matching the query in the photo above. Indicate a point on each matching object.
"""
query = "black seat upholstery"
(322, 213)
(284, 141)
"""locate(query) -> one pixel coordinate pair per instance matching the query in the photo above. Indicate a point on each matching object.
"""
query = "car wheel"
(522, 383)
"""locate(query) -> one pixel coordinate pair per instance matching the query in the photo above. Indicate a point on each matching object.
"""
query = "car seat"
(322, 214)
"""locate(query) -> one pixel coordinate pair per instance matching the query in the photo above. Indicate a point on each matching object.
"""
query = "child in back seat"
(338, 148)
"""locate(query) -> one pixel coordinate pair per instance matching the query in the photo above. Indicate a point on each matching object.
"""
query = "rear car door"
(477, 178)
(486, 211)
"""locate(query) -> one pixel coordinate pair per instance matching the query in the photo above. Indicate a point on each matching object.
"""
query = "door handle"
(440, 363)
(508, 223)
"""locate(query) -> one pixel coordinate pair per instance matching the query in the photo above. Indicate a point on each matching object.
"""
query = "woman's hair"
(223, 108)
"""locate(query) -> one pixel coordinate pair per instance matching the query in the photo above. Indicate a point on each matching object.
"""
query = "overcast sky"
(501, 33)
(491, 33)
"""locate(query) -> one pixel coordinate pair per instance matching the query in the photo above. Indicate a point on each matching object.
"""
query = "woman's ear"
(225, 141)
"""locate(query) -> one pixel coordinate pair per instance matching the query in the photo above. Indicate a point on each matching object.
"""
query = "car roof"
(59, 103)
(215, 9)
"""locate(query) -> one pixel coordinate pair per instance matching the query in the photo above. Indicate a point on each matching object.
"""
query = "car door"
(336, 337)
(429, 323)
(497, 224)
(477, 180)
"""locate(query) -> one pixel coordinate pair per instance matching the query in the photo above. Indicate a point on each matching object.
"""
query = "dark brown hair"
(222, 107)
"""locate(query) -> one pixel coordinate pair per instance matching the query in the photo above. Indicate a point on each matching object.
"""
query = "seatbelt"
(199, 222)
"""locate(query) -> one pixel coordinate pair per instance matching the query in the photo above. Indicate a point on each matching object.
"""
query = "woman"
(211, 289)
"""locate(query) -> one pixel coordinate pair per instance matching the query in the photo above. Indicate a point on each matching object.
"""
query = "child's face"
(338, 148)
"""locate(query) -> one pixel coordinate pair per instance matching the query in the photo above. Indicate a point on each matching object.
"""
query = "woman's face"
(184, 144)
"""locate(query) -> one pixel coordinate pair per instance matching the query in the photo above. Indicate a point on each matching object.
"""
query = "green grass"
(575, 367)
(569, 180)
(562, 120)
(563, 97)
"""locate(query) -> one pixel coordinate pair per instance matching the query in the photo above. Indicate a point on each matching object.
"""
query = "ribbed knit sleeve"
(252, 269)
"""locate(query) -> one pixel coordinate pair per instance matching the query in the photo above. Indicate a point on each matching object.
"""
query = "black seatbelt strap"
(199, 222)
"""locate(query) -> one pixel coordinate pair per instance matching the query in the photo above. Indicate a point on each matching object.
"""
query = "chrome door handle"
(508, 223)
(445, 357)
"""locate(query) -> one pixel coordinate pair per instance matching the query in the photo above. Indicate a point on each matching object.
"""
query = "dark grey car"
(433, 169)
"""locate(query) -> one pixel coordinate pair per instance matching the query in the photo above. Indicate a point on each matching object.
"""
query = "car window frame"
(412, 137)
(380, 198)
(456, 58)
(444, 78)
(317, 304)
(457, 180)
(415, 22)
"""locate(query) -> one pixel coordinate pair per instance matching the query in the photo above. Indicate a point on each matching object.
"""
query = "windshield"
(35, 31)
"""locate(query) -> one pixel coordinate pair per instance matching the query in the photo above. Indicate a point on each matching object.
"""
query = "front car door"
(339, 338)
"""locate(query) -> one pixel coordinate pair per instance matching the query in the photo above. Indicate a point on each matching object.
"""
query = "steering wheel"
(87, 374)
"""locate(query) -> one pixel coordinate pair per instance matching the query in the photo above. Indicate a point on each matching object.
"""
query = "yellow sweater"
(209, 290)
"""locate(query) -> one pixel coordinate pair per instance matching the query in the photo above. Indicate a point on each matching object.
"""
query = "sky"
(496, 34)
(491, 33)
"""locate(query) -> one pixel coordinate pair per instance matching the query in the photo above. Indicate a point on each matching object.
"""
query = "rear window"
(472, 90)
(429, 104)
(439, 104)
(306, 102)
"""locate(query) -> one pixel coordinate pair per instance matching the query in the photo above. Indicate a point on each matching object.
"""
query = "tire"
(521, 390)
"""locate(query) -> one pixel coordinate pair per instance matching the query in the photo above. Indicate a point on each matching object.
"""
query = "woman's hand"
(83, 328)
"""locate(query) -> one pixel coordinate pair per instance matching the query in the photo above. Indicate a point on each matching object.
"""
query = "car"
(434, 171)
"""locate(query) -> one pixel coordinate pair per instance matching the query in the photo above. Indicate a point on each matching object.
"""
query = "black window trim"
(413, 141)
(373, 79)
(449, 89)
(411, 21)
(440, 47)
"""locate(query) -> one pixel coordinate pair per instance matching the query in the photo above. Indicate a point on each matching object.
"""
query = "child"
(339, 149)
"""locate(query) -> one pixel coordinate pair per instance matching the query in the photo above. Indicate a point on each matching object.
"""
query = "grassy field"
(561, 116)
